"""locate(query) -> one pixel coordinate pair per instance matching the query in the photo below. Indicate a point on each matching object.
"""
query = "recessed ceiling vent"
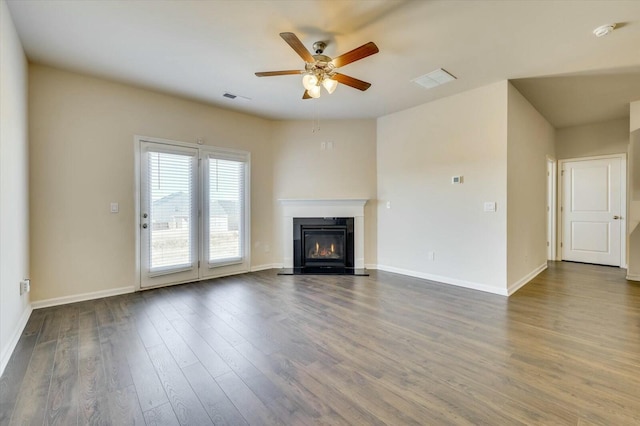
(434, 79)
(232, 96)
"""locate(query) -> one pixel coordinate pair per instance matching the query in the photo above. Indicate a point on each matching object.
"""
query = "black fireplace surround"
(323, 244)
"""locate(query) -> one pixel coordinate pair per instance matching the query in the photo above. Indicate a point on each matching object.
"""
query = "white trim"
(342, 207)
(552, 199)
(623, 202)
(526, 279)
(445, 280)
(137, 153)
(341, 202)
(15, 338)
(56, 301)
(633, 277)
(264, 267)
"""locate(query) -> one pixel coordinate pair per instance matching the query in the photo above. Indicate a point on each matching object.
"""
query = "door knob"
(616, 217)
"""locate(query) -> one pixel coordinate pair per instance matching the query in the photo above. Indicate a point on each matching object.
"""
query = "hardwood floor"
(263, 349)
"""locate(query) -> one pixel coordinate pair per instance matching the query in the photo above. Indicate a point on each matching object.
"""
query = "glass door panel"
(224, 211)
(169, 228)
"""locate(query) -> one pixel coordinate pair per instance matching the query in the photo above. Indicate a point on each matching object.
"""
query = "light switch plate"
(489, 206)
(115, 207)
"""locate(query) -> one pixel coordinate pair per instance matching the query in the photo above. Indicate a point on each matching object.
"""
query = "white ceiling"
(202, 49)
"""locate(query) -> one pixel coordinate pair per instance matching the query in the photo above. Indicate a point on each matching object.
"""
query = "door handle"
(616, 217)
(144, 226)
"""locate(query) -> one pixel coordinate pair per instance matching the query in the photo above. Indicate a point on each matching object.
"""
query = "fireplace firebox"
(323, 244)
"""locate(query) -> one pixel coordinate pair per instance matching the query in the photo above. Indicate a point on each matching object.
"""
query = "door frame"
(552, 217)
(623, 202)
(221, 271)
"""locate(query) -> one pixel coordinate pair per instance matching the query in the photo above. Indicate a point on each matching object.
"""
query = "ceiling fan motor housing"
(319, 47)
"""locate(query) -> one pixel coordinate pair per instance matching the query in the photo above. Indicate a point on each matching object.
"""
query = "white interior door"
(169, 214)
(592, 211)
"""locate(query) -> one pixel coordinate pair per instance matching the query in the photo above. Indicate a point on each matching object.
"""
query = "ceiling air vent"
(434, 79)
(229, 95)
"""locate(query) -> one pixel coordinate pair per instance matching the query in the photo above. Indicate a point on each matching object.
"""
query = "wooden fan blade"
(306, 95)
(355, 54)
(295, 43)
(272, 73)
(350, 81)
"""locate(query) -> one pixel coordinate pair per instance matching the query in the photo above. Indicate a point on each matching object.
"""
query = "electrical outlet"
(431, 255)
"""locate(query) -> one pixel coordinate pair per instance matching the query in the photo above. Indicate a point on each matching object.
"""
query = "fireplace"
(323, 242)
(326, 221)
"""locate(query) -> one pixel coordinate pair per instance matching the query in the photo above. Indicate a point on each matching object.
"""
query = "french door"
(193, 208)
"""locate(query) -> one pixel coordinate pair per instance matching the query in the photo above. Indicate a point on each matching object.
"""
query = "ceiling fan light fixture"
(330, 84)
(314, 92)
(309, 81)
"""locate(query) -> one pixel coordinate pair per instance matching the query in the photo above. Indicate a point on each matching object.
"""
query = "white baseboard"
(524, 280)
(633, 277)
(81, 297)
(266, 266)
(445, 280)
(11, 346)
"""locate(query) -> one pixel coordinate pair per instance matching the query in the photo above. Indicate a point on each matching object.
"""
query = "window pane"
(226, 196)
(171, 196)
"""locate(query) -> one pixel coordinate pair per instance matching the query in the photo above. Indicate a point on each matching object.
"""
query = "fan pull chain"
(315, 120)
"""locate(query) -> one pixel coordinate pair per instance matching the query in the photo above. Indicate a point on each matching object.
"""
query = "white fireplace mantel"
(323, 208)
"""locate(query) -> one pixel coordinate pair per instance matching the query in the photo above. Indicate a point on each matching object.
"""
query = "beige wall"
(82, 158)
(633, 270)
(609, 137)
(419, 150)
(530, 141)
(634, 113)
(302, 169)
(14, 200)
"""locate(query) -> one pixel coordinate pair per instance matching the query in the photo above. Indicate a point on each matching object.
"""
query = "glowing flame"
(332, 249)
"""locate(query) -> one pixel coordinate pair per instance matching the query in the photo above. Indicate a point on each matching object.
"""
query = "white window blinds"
(171, 204)
(225, 214)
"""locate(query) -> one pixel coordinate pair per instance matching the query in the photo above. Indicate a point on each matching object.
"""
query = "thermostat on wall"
(456, 179)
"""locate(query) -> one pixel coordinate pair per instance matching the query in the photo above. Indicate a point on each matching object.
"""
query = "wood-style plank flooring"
(263, 349)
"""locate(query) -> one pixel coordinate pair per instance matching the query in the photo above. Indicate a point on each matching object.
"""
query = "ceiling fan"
(320, 70)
